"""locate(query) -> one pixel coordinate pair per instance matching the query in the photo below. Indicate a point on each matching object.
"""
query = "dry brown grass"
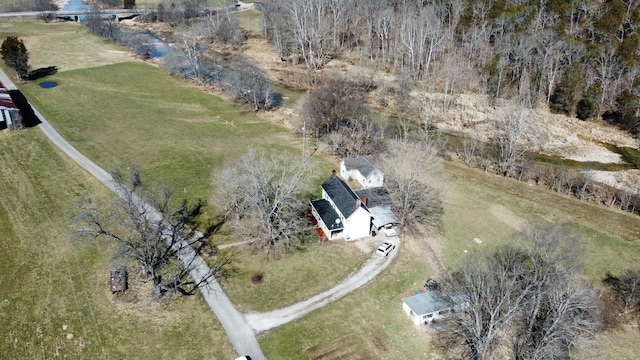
(67, 45)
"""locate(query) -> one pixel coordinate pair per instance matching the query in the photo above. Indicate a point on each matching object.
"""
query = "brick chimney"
(364, 200)
(334, 173)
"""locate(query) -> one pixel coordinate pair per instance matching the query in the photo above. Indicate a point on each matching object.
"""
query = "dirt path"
(238, 331)
(241, 330)
(261, 322)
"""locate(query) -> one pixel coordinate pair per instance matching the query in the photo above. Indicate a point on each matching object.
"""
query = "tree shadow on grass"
(41, 72)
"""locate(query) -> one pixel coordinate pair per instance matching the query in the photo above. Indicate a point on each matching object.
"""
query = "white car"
(389, 230)
(385, 248)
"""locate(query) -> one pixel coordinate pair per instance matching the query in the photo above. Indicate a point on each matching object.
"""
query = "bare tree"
(311, 28)
(248, 84)
(469, 151)
(150, 226)
(558, 307)
(261, 197)
(528, 296)
(413, 174)
(335, 103)
(488, 287)
(627, 288)
(190, 50)
(510, 143)
(223, 26)
(584, 183)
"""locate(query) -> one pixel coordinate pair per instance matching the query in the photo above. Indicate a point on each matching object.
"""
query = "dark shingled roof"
(376, 196)
(364, 164)
(328, 215)
(341, 195)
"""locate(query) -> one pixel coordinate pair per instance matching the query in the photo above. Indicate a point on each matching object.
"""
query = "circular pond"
(48, 84)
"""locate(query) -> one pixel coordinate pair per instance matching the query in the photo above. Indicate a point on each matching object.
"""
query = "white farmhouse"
(341, 214)
(363, 170)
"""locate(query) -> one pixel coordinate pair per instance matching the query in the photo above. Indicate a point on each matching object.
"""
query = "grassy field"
(501, 206)
(133, 112)
(367, 324)
(249, 22)
(54, 295)
(67, 45)
(306, 273)
(116, 113)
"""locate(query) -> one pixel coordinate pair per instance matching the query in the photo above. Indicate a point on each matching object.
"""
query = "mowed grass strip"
(54, 293)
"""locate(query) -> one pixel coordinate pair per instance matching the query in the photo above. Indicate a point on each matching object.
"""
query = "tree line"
(579, 57)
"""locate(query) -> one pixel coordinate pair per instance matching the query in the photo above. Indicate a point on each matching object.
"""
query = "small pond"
(48, 84)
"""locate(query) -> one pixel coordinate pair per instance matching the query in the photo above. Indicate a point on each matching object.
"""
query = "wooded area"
(578, 56)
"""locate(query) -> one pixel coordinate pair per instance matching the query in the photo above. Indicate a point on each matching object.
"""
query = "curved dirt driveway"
(241, 329)
(264, 321)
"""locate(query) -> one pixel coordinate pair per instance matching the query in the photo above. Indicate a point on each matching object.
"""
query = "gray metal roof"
(364, 164)
(341, 195)
(378, 201)
(376, 196)
(428, 302)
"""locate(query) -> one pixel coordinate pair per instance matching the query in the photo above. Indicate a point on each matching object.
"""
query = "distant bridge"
(119, 13)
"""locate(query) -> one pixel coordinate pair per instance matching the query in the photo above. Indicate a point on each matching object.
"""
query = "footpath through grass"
(54, 294)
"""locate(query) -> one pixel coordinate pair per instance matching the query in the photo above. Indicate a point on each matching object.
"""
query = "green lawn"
(367, 324)
(54, 295)
(298, 276)
(133, 112)
(117, 112)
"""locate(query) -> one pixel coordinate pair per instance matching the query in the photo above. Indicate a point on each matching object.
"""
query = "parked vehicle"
(389, 230)
(385, 248)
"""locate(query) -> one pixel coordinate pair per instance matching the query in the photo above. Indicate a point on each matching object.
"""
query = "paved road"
(240, 334)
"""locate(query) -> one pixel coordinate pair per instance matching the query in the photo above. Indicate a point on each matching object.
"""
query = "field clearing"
(67, 45)
(500, 206)
(54, 294)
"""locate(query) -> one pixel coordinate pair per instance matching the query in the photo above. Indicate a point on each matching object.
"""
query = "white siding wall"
(358, 225)
(375, 179)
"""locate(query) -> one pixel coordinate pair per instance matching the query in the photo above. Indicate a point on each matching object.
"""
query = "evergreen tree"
(569, 89)
(15, 55)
